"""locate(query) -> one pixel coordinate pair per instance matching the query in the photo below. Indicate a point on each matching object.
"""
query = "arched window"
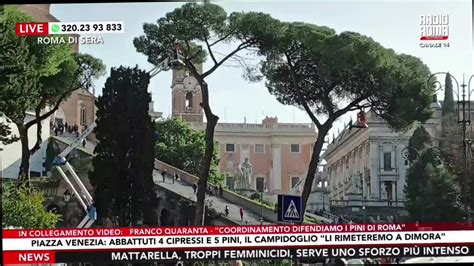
(83, 115)
(189, 100)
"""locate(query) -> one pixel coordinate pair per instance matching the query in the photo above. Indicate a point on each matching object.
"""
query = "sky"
(394, 24)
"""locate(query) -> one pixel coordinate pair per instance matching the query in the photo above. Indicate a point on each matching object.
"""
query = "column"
(276, 148)
(374, 168)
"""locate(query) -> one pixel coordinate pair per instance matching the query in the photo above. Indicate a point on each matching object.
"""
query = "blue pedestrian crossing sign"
(289, 208)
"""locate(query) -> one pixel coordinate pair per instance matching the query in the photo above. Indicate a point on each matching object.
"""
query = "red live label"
(32, 29)
(23, 257)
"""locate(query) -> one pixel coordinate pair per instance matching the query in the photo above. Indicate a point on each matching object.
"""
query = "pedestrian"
(241, 214)
(84, 143)
(226, 210)
(92, 212)
(66, 125)
(176, 176)
(341, 220)
(209, 190)
(195, 188)
(163, 173)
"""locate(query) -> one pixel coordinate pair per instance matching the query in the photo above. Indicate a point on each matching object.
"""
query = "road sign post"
(290, 208)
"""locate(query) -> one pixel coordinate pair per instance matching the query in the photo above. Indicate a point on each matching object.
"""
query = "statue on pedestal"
(245, 175)
(353, 184)
(383, 191)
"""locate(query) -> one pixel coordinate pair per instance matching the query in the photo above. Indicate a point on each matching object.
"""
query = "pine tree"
(123, 164)
(431, 190)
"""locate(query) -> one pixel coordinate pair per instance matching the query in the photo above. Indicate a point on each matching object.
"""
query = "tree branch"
(354, 104)
(38, 130)
(239, 48)
(300, 96)
(210, 51)
(56, 106)
(223, 38)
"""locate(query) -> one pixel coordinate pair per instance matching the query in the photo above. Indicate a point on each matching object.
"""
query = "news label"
(235, 242)
(54, 28)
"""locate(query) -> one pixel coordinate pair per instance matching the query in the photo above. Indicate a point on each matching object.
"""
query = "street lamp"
(67, 199)
(261, 205)
(464, 119)
(364, 213)
(406, 152)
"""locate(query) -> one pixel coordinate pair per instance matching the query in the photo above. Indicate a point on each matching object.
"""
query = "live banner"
(304, 242)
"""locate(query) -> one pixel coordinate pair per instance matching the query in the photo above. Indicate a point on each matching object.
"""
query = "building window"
(259, 148)
(295, 148)
(294, 181)
(387, 161)
(189, 100)
(260, 184)
(230, 147)
(83, 116)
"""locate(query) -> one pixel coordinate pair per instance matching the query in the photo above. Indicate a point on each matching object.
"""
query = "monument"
(383, 191)
(244, 180)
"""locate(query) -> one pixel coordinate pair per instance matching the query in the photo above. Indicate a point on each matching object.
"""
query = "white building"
(10, 155)
(366, 166)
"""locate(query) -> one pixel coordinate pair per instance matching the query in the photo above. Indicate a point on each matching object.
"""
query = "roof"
(38, 12)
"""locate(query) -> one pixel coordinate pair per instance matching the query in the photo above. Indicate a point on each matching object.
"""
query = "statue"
(383, 191)
(354, 185)
(245, 174)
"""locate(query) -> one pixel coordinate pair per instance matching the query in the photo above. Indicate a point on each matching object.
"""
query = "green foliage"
(20, 70)
(5, 134)
(365, 73)
(311, 220)
(418, 141)
(22, 208)
(124, 156)
(431, 191)
(448, 103)
(35, 76)
(195, 26)
(177, 144)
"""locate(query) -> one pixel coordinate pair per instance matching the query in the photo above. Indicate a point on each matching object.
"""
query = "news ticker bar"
(240, 240)
(302, 254)
(232, 230)
(52, 28)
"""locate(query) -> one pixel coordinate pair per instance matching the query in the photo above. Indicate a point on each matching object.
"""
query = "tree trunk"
(25, 154)
(207, 160)
(313, 165)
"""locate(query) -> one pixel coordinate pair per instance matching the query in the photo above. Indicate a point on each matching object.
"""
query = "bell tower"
(186, 96)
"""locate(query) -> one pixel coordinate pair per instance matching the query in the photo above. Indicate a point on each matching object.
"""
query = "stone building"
(366, 167)
(278, 154)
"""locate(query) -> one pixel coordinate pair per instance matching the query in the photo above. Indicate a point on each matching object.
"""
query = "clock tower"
(186, 97)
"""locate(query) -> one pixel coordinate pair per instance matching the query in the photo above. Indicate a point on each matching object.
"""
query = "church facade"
(277, 154)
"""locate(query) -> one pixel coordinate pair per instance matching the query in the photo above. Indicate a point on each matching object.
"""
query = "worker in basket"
(361, 120)
(176, 55)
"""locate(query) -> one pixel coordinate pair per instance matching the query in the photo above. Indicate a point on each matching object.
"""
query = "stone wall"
(255, 207)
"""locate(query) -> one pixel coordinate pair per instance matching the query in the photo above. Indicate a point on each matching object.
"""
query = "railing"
(260, 127)
(368, 203)
(257, 208)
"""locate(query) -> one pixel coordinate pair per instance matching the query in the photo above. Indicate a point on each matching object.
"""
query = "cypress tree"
(431, 190)
(448, 104)
(123, 161)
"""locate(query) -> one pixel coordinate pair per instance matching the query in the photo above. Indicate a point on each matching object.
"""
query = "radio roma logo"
(434, 31)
